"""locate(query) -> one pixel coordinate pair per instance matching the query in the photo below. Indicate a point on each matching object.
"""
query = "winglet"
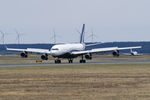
(82, 34)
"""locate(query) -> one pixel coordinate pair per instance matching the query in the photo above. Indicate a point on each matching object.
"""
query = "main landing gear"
(82, 60)
(57, 61)
(70, 60)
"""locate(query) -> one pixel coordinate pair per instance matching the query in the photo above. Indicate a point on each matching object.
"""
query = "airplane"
(71, 50)
(133, 53)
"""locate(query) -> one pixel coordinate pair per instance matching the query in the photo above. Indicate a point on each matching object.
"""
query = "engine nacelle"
(88, 56)
(44, 57)
(24, 54)
(116, 53)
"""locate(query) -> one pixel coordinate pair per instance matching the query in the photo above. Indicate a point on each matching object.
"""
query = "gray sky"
(110, 20)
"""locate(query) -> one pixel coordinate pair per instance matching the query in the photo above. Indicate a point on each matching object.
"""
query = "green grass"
(87, 82)
(75, 82)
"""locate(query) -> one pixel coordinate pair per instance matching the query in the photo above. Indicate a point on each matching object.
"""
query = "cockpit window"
(55, 49)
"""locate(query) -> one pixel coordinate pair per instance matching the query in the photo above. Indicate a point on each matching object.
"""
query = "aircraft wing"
(31, 50)
(13, 49)
(127, 48)
(98, 50)
(94, 50)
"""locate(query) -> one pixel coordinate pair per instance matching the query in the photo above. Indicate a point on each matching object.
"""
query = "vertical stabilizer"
(82, 34)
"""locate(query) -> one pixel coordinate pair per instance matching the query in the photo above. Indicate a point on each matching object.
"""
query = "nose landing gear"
(57, 61)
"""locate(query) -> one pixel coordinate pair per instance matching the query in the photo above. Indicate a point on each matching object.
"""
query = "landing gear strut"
(70, 60)
(82, 60)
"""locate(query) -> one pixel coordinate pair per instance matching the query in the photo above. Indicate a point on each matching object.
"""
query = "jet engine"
(116, 53)
(88, 56)
(24, 54)
(44, 57)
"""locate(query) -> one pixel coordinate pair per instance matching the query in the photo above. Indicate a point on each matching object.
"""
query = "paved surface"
(132, 61)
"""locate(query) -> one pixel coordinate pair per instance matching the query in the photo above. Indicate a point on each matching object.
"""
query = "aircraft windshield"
(55, 49)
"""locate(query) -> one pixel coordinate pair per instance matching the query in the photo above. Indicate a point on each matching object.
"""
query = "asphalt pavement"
(130, 61)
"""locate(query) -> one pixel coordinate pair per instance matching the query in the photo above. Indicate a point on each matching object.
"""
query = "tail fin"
(82, 34)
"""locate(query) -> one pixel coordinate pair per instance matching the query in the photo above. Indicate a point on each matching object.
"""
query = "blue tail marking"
(82, 34)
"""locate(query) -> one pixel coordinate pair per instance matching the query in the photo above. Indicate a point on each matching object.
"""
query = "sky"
(108, 20)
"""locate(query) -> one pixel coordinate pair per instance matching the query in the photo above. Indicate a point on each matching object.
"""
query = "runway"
(131, 61)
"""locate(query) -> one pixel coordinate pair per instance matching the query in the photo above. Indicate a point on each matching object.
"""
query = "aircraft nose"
(53, 53)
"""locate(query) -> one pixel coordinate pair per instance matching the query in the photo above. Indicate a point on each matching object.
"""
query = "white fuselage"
(134, 53)
(62, 49)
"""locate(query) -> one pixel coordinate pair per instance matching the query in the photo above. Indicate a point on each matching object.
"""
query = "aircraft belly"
(66, 55)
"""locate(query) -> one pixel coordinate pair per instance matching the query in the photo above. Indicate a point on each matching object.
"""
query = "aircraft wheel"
(82, 61)
(59, 61)
(70, 61)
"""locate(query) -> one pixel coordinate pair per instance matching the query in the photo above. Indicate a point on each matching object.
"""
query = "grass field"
(93, 82)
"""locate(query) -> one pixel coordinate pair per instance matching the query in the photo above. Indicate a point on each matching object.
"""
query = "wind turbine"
(92, 35)
(18, 36)
(54, 37)
(79, 33)
(3, 37)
